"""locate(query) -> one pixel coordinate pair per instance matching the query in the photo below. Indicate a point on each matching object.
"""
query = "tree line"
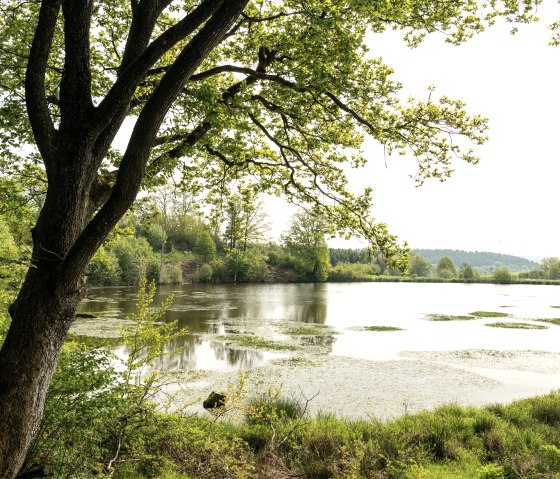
(171, 236)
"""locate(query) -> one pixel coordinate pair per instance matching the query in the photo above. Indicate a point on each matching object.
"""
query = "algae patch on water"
(489, 314)
(248, 341)
(549, 320)
(309, 329)
(517, 326)
(376, 328)
(449, 317)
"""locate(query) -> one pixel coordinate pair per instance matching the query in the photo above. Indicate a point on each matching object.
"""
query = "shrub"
(205, 247)
(350, 272)
(546, 410)
(105, 269)
(245, 266)
(503, 276)
(98, 408)
(136, 259)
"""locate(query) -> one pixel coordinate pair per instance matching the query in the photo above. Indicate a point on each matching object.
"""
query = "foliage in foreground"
(95, 429)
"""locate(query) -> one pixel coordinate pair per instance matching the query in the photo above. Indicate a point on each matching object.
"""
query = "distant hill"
(483, 261)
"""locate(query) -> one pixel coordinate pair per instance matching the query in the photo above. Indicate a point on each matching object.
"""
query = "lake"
(315, 340)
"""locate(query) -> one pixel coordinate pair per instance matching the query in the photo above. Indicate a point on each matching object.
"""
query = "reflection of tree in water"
(188, 351)
(314, 312)
(219, 309)
(237, 358)
(325, 341)
(183, 354)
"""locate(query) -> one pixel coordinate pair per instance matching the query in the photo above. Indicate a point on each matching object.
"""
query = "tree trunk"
(40, 321)
(69, 229)
(42, 313)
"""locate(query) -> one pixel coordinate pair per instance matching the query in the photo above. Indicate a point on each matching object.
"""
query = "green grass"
(449, 317)
(376, 328)
(489, 314)
(246, 340)
(277, 439)
(517, 326)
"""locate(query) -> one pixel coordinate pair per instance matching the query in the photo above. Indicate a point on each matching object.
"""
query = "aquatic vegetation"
(249, 341)
(489, 314)
(517, 326)
(376, 328)
(450, 317)
(549, 320)
(309, 329)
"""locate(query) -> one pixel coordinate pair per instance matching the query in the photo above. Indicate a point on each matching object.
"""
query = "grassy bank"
(100, 421)
(276, 440)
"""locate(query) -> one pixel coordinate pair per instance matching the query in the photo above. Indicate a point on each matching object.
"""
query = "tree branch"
(75, 87)
(37, 106)
(266, 58)
(112, 110)
(144, 17)
(133, 164)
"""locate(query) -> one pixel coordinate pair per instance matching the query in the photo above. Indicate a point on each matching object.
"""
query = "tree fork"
(66, 236)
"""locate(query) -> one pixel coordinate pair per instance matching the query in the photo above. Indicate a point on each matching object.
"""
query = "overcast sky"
(509, 202)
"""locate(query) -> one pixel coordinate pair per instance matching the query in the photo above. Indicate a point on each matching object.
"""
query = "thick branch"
(114, 107)
(136, 156)
(37, 107)
(144, 17)
(75, 87)
(118, 98)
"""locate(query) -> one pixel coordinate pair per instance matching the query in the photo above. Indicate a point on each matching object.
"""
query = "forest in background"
(172, 237)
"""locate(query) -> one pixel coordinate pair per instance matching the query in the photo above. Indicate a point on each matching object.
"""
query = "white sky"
(508, 203)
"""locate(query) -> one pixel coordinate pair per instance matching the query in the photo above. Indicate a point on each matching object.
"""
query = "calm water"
(224, 309)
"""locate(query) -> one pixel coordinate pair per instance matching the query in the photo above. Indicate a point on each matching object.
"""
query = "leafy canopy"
(283, 103)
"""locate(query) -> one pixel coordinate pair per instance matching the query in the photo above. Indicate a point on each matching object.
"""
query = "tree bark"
(69, 229)
(40, 321)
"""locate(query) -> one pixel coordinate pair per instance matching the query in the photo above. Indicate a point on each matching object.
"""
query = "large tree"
(246, 220)
(280, 92)
(305, 242)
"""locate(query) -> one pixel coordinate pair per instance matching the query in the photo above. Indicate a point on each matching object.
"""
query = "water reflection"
(219, 310)
(231, 309)
(190, 352)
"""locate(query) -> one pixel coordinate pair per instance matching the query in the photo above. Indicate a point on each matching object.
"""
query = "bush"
(350, 272)
(503, 276)
(205, 273)
(81, 412)
(245, 266)
(205, 247)
(136, 259)
(98, 407)
(105, 269)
